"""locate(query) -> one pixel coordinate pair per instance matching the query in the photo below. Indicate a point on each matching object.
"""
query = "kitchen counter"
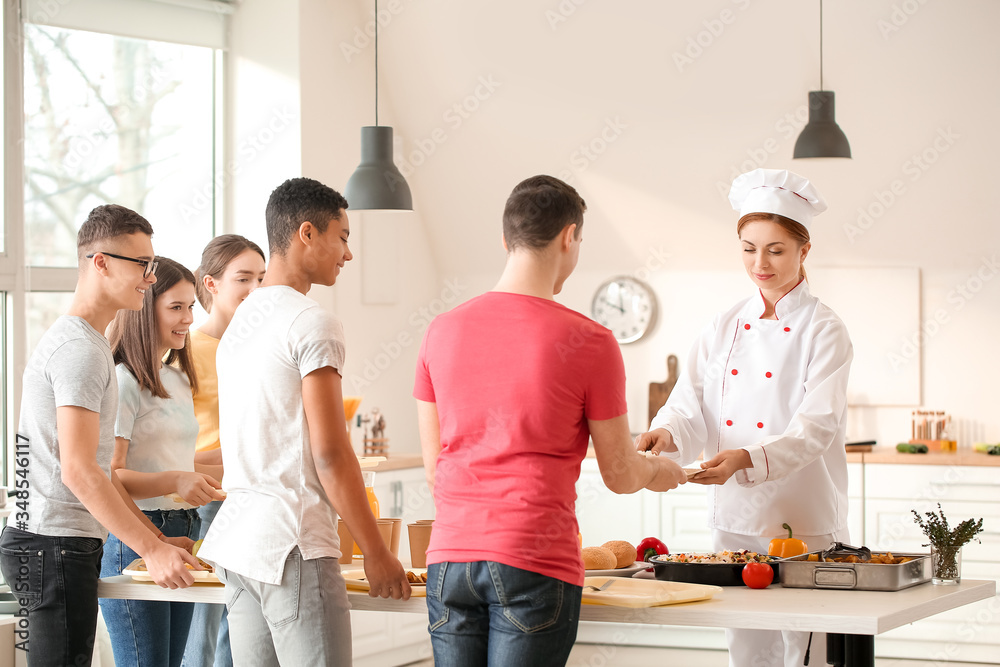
(400, 462)
(773, 608)
(856, 613)
(882, 454)
(963, 457)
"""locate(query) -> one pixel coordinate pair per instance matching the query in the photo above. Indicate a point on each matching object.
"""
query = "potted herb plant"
(946, 544)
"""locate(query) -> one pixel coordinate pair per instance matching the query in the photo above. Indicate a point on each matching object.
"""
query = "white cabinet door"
(968, 634)
(603, 515)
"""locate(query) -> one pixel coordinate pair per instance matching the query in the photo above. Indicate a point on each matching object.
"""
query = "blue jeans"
(487, 613)
(305, 620)
(146, 633)
(208, 640)
(55, 581)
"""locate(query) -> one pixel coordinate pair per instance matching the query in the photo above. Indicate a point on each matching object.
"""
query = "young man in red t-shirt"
(510, 386)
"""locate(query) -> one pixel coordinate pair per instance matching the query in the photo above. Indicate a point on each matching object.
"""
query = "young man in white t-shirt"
(67, 496)
(290, 469)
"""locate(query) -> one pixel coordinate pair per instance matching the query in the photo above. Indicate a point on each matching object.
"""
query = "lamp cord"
(820, 47)
(376, 57)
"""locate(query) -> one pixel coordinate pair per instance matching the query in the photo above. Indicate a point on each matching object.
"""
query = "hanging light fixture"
(377, 183)
(821, 137)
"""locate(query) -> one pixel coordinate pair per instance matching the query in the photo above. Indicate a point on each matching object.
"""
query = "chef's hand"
(668, 474)
(656, 441)
(185, 543)
(386, 576)
(165, 564)
(722, 466)
(197, 488)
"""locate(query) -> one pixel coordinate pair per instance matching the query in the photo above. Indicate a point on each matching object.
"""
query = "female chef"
(764, 396)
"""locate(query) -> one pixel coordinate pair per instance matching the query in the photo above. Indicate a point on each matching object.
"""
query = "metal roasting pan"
(798, 572)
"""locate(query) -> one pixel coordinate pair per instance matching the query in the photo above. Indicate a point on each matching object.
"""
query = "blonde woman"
(231, 268)
(764, 397)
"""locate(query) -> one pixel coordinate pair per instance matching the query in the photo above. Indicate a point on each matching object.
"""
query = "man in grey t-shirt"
(67, 496)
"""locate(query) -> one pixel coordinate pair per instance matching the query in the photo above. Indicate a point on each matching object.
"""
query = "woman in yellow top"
(231, 268)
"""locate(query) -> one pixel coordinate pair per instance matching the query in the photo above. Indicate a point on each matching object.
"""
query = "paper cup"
(422, 521)
(397, 530)
(420, 537)
(346, 542)
(385, 530)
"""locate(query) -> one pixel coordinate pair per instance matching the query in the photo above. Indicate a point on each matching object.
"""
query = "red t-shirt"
(515, 379)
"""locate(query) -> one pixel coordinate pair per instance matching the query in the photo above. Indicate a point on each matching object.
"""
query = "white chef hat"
(776, 191)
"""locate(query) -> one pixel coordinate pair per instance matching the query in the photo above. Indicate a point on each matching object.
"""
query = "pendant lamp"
(377, 184)
(821, 137)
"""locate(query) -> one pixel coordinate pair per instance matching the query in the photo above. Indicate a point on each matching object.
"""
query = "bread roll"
(623, 551)
(598, 558)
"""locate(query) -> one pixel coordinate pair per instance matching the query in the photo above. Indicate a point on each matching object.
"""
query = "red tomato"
(758, 575)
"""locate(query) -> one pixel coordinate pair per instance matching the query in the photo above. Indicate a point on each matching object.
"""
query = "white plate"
(626, 571)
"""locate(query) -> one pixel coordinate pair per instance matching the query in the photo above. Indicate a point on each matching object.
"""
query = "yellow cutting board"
(644, 592)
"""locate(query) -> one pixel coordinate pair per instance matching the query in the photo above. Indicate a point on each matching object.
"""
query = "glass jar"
(369, 477)
(946, 566)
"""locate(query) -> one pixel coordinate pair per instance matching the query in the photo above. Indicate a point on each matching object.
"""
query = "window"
(113, 119)
(121, 104)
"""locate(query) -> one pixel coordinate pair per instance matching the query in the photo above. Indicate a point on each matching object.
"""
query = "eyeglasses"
(148, 263)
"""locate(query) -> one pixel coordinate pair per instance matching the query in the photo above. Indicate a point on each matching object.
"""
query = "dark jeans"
(145, 633)
(487, 613)
(55, 581)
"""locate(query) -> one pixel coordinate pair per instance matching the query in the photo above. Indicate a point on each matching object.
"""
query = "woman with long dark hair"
(155, 436)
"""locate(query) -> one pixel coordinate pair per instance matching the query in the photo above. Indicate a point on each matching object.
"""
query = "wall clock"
(626, 306)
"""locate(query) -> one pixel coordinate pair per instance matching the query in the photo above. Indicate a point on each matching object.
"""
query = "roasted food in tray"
(856, 568)
(718, 569)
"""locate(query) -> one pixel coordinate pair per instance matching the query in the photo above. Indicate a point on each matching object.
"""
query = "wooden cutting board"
(660, 391)
(637, 593)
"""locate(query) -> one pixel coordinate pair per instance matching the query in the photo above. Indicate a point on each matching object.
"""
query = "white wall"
(482, 95)
(298, 109)
(667, 135)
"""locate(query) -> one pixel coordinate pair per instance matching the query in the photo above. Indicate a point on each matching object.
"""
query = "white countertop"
(773, 608)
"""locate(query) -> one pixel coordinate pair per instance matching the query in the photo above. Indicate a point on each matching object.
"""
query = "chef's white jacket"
(778, 389)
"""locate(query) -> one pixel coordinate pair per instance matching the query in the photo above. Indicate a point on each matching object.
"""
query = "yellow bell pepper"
(786, 547)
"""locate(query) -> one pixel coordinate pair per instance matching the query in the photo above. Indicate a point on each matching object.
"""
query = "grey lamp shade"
(821, 137)
(377, 183)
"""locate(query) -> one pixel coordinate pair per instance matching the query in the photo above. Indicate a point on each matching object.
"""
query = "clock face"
(626, 306)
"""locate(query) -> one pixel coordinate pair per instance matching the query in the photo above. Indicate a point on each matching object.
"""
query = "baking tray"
(713, 574)
(798, 572)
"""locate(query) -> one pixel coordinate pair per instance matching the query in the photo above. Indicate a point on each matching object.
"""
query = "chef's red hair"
(796, 229)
